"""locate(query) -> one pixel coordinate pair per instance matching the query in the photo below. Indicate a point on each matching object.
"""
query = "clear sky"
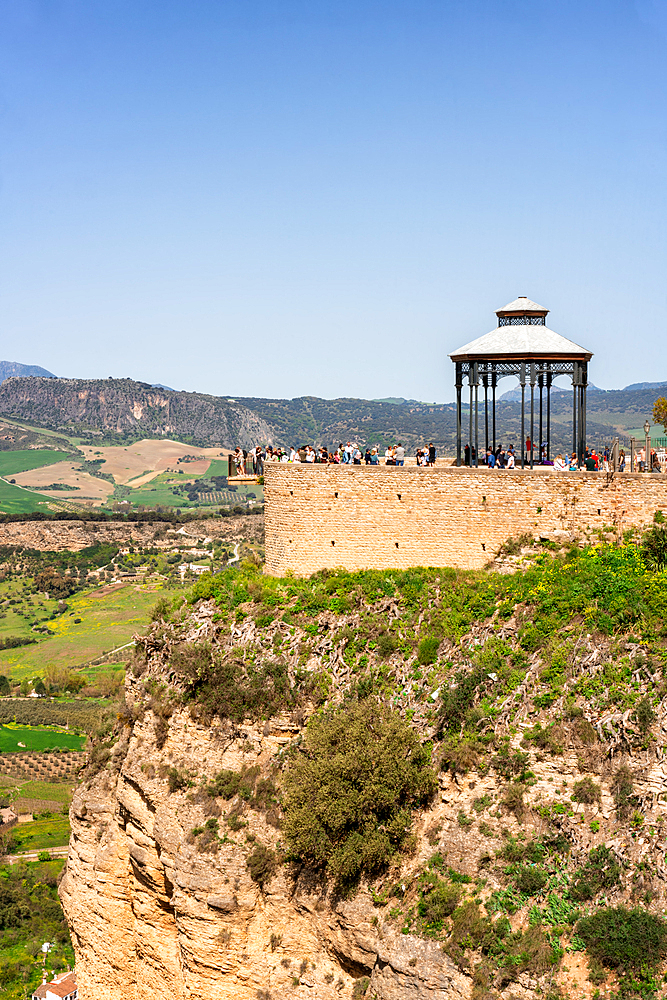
(301, 197)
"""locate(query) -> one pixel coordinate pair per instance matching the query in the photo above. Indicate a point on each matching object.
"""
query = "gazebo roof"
(525, 342)
(522, 305)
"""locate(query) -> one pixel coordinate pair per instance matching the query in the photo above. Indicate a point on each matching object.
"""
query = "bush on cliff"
(230, 687)
(631, 942)
(350, 788)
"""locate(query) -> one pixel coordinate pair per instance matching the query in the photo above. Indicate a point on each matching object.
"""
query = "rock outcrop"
(152, 916)
(122, 405)
(160, 892)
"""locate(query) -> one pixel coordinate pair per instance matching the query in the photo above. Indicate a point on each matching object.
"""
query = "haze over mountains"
(123, 409)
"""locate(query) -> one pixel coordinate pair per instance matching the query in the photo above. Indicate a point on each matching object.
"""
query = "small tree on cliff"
(350, 789)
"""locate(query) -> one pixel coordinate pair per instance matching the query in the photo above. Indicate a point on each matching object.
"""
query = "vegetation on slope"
(350, 789)
(30, 914)
(488, 675)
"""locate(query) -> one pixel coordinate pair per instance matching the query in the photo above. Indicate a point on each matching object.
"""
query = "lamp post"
(647, 435)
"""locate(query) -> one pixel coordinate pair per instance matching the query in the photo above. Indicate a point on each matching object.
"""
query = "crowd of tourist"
(251, 463)
(503, 458)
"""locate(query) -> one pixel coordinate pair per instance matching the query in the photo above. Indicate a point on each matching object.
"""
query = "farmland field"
(47, 791)
(14, 500)
(17, 738)
(41, 834)
(106, 621)
(81, 486)
(159, 492)
(12, 462)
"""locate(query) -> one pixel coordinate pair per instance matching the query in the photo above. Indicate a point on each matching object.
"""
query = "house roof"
(61, 986)
(522, 304)
(526, 342)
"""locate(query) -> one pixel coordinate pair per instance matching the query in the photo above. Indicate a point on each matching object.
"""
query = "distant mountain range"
(120, 410)
(9, 369)
(515, 393)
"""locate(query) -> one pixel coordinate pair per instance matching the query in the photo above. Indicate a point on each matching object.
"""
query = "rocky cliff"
(72, 536)
(122, 406)
(555, 806)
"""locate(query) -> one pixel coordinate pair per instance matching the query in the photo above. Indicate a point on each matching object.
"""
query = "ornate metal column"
(540, 382)
(582, 419)
(476, 416)
(522, 380)
(494, 380)
(532, 412)
(459, 383)
(485, 380)
(471, 376)
(549, 381)
(575, 383)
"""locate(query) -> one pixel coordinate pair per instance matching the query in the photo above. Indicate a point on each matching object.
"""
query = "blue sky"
(325, 198)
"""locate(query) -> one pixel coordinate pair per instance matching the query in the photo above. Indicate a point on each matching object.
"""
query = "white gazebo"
(522, 345)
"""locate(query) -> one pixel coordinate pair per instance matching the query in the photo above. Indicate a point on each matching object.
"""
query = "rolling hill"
(121, 410)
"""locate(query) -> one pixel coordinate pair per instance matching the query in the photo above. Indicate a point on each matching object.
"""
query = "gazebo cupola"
(522, 312)
(521, 345)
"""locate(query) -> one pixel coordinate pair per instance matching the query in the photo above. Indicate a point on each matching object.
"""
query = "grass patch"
(15, 500)
(12, 462)
(16, 739)
(106, 622)
(41, 833)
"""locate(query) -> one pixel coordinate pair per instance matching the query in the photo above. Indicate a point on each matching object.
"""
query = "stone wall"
(379, 517)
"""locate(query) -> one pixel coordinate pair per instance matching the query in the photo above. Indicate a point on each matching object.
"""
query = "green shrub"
(438, 900)
(622, 787)
(530, 880)
(654, 547)
(531, 851)
(386, 645)
(459, 756)
(644, 715)
(511, 765)
(601, 871)
(586, 792)
(225, 785)
(177, 780)
(348, 797)
(549, 739)
(631, 942)
(459, 698)
(527, 951)
(262, 864)
(513, 800)
(231, 688)
(427, 652)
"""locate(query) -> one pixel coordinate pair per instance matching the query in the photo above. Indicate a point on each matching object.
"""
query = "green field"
(41, 833)
(218, 467)
(14, 500)
(17, 619)
(17, 739)
(56, 791)
(107, 621)
(12, 462)
(159, 493)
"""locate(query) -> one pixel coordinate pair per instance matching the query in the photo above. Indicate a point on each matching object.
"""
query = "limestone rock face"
(161, 908)
(152, 916)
